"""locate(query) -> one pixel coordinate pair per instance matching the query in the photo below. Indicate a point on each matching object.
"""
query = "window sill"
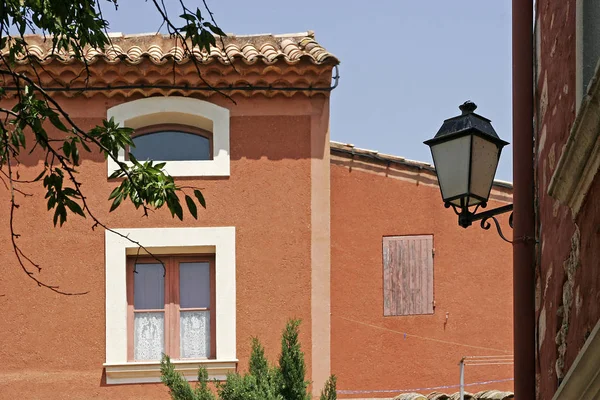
(207, 168)
(149, 371)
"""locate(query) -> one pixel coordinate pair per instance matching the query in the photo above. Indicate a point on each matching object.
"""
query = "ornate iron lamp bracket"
(466, 218)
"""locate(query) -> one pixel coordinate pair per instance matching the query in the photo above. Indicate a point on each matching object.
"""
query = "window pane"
(171, 146)
(591, 40)
(148, 335)
(194, 285)
(195, 334)
(148, 287)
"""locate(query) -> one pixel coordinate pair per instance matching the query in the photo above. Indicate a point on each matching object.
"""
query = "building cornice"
(374, 157)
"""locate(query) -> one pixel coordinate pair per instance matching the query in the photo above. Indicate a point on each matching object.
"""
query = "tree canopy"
(28, 111)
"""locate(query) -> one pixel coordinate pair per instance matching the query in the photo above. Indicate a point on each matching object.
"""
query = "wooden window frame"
(172, 303)
(157, 128)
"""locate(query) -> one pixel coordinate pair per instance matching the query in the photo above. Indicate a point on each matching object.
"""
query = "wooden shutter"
(407, 275)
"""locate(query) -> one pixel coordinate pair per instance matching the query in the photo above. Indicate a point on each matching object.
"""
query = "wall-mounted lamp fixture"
(466, 151)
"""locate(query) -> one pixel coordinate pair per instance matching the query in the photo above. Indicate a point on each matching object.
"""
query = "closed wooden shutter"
(407, 275)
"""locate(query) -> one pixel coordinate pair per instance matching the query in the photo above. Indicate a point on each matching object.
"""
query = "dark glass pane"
(148, 287)
(591, 40)
(194, 285)
(171, 146)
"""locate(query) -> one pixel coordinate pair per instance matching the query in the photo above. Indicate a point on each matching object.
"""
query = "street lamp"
(466, 151)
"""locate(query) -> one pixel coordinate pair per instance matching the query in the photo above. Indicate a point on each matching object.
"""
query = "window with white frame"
(178, 300)
(191, 135)
(171, 307)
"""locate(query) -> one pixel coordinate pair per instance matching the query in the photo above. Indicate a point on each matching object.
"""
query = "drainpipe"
(462, 378)
(523, 199)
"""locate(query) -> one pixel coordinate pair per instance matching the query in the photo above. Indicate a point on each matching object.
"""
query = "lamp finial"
(467, 107)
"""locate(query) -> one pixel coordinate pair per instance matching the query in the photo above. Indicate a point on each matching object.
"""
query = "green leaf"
(67, 149)
(114, 193)
(134, 160)
(74, 153)
(191, 206)
(215, 29)
(187, 17)
(57, 122)
(200, 198)
(117, 174)
(21, 135)
(85, 146)
(116, 203)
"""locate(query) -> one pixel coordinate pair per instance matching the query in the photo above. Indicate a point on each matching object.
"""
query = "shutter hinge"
(433, 252)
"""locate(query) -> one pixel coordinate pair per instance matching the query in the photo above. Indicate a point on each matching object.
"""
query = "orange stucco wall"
(472, 286)
(53, 346)
(292, 210)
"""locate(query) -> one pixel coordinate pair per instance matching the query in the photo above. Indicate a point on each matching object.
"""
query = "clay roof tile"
(132, 49)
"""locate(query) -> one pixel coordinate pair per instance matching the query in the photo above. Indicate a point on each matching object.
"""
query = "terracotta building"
(567, 158)
(391, 291)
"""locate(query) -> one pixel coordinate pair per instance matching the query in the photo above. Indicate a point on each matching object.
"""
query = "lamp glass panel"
(451, 159)
(484, 161)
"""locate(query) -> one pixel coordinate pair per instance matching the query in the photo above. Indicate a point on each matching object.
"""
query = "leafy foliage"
(36, 120)
(262, 382)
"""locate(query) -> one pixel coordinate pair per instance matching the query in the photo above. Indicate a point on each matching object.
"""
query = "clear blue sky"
(405, 65)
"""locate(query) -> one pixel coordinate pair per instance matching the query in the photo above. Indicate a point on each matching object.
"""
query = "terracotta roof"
(350, 149)
(133, 49)
(487, 395)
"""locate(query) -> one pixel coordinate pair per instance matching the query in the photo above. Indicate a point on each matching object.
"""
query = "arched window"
(171, 142)
(190, 135)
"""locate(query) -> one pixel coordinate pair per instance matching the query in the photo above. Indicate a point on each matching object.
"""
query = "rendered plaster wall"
(53, 346)
(371, 355)
(567, 261)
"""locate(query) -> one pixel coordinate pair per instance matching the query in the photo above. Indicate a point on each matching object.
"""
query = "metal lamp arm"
(466, 218)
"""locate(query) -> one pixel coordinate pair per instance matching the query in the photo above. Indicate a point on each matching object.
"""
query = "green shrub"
(179, 387)
(262, 382)
(329, 391)
(291, 364)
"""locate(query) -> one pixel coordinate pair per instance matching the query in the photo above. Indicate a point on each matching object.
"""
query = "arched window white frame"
(182, 111)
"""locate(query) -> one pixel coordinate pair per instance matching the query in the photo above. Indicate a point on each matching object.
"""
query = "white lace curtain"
(194, 332)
